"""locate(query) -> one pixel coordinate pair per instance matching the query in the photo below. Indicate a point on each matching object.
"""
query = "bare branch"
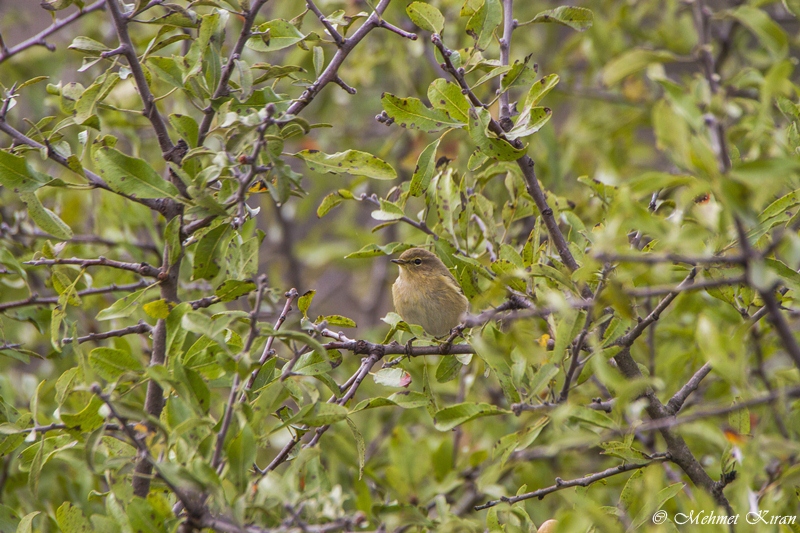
(150, 110)
(331, 72)
(39, 38)
(676, 402)
(227, 71)
(399, 31)
(579, 482)
(140, 328)
(291, 295)
(651, 258)
(505, 52)
(143, 268)
(337, 37)
(635, 333)
(34, 299)
(648, 292)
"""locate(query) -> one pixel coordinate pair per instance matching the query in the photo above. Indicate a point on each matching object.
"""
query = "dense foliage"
(199, 203)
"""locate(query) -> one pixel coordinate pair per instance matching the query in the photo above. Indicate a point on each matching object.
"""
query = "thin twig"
(579, 482)
(39, 38)
(290, 295)
(676, 402)
(140, 328)
(127, 49)
(142, 268)
(34, 298)
(227, 71)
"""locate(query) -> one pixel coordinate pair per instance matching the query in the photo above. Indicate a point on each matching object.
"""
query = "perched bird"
(426, 294)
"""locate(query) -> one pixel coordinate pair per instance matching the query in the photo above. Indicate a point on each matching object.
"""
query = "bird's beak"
(398, 261)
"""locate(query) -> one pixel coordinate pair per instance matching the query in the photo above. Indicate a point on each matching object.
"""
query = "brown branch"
(331, 72)
(140, 328)
(578, 345)
(127, 50)
(578, 482)
(337, 37)
(39, 38)
(143, 268)
(676, 402)
(505, 53)
(373, 199)
(290, 295)
(650, 258)
(34, 299)
(671, 422)
(628, 339)
(648, 292)
(227, 71)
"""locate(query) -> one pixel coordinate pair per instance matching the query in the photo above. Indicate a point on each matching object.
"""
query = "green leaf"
(531, 120)
(111, 364)
(769, 32)
(172, 239)
(455, 415)
(488, 142)
(304, 302)
(25, 525)
(322, 414)
(231, 289)
(577, 18)
(18, 176)
(95, 93)
(411, 113)
(448, 97)
(482, 24)
(388, 211)
(633, 61)
(373, 250)
(328, 203)
(448, 369)
(278, 34)
(241, 455)
(124, 307)
(158, 309)
(519, 74)
(337, 320)
(361, 448)
(539, 90)
(206, 254)
(350, 162)
(392, 377)
(426, 167)
(426, 17)
(543, 376)
(44, 218)
(186, 127)
(130, 175)
(71, 520)
(740, 420)
(646, 513)
(87, 45)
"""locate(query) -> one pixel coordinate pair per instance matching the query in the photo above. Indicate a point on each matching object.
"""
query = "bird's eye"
(417, 261)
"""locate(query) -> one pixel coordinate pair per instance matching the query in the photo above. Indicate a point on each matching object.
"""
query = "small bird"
(426, 294)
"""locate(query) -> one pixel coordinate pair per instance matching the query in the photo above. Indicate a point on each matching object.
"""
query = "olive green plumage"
(426, 294)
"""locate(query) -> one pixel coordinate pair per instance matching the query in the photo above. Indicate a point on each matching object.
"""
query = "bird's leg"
(444, 348)
(408, 347)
